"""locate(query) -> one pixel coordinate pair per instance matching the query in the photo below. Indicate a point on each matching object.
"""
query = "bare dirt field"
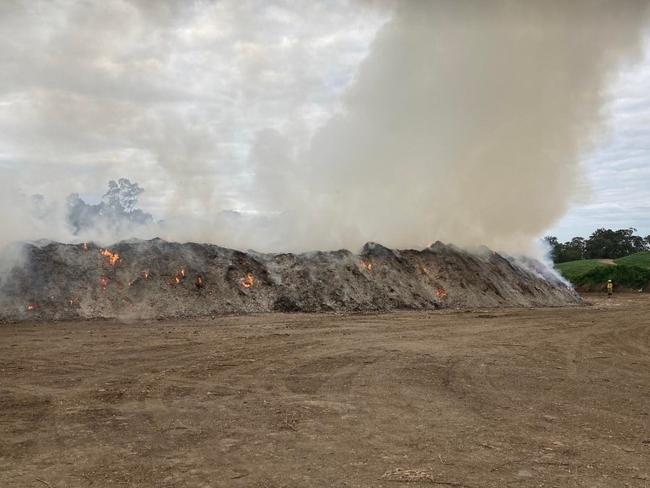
(485, 398)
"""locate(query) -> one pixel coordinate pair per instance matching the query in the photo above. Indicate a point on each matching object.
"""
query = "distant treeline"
(602, 244)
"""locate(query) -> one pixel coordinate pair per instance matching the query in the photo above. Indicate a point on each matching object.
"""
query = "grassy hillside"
(640, 259)
(572, 270)
(632, 272)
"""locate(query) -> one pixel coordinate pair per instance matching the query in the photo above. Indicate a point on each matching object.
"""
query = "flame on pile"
(112, 258)
(178, 277)
(199, 281)
(366, 264)
(104, 281)
(441, 292)
(248, 281)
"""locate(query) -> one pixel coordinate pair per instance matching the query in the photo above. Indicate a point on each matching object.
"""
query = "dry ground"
(487, 398)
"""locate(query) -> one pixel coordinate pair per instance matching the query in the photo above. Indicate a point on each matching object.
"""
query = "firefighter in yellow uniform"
(610, 288)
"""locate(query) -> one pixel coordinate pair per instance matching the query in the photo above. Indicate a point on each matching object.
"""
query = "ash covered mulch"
(144, 279)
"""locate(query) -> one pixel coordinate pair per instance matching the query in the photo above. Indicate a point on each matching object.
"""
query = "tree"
(569, 251)
(613, 244)
(122, 196)
(118, 208)
(574, 249)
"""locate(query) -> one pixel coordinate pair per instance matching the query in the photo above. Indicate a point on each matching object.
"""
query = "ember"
(104, 281)
(112, 258)
(178, 277)
(248, 281)
(32, 306)
(223, 281)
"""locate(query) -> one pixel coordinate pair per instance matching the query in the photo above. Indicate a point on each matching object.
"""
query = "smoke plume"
(465, 122)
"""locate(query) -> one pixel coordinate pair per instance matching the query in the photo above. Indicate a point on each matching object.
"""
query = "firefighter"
(610, 288)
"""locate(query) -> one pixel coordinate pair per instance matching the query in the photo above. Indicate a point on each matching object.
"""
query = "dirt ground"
(485, 398)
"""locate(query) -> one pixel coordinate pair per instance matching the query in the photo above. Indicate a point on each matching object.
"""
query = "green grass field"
(572, 270)
(630, 272)
(640, 259)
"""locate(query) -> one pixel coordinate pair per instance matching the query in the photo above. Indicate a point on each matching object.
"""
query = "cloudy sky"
(180, 96)
(616, 193)
(161, 91)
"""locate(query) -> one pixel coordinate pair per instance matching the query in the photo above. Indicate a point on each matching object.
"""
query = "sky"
(179, 96)
(616, 189)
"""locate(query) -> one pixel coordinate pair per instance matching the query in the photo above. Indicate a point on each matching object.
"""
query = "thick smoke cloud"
(465, 121)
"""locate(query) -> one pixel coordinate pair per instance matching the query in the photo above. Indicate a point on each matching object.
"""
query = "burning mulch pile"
(146, 279)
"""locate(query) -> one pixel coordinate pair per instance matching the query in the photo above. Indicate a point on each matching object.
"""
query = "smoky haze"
(466, 122)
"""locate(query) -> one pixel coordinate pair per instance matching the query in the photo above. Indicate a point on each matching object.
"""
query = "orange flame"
(199, 281)
(441, 292)
(32, 306)
(178, 277)
(248, 281)
(145, 274)
(366, 264)
(112, 258)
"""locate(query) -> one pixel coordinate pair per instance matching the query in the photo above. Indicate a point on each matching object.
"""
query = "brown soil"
(486, 398)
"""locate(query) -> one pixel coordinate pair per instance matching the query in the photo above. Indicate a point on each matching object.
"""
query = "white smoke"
(466, 121)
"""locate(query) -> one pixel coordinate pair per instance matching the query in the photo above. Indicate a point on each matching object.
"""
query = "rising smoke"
(466, 122)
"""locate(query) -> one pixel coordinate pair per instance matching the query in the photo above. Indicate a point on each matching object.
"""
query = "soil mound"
(146, 279)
